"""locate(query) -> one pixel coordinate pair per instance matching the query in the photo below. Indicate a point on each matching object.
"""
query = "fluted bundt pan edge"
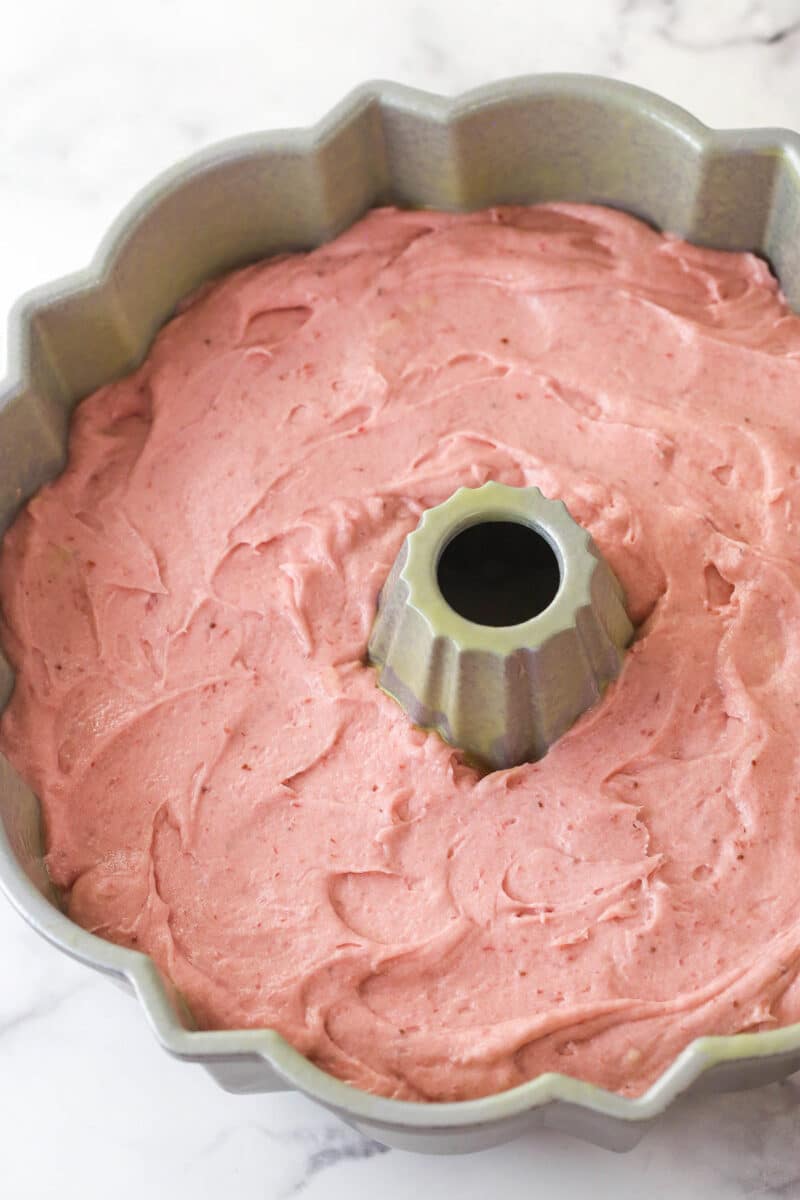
(526, 140)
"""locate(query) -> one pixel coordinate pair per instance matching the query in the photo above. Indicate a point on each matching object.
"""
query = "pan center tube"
(500, 623)
(498, 573)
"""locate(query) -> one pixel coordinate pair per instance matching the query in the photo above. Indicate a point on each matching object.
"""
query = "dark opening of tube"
(498, 573)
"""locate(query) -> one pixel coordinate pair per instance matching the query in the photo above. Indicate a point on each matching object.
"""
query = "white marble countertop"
(94, 100)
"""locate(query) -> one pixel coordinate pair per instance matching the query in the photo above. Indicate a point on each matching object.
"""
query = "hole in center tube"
(498, 573)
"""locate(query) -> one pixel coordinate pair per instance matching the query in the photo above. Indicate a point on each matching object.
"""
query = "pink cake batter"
(226, 788)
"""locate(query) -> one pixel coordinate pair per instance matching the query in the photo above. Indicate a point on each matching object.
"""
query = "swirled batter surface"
(225, 787)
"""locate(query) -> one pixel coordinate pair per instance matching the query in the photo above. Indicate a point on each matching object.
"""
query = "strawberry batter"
(224, 786)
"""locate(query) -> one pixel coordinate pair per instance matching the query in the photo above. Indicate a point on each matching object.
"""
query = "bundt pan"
(527, 140)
